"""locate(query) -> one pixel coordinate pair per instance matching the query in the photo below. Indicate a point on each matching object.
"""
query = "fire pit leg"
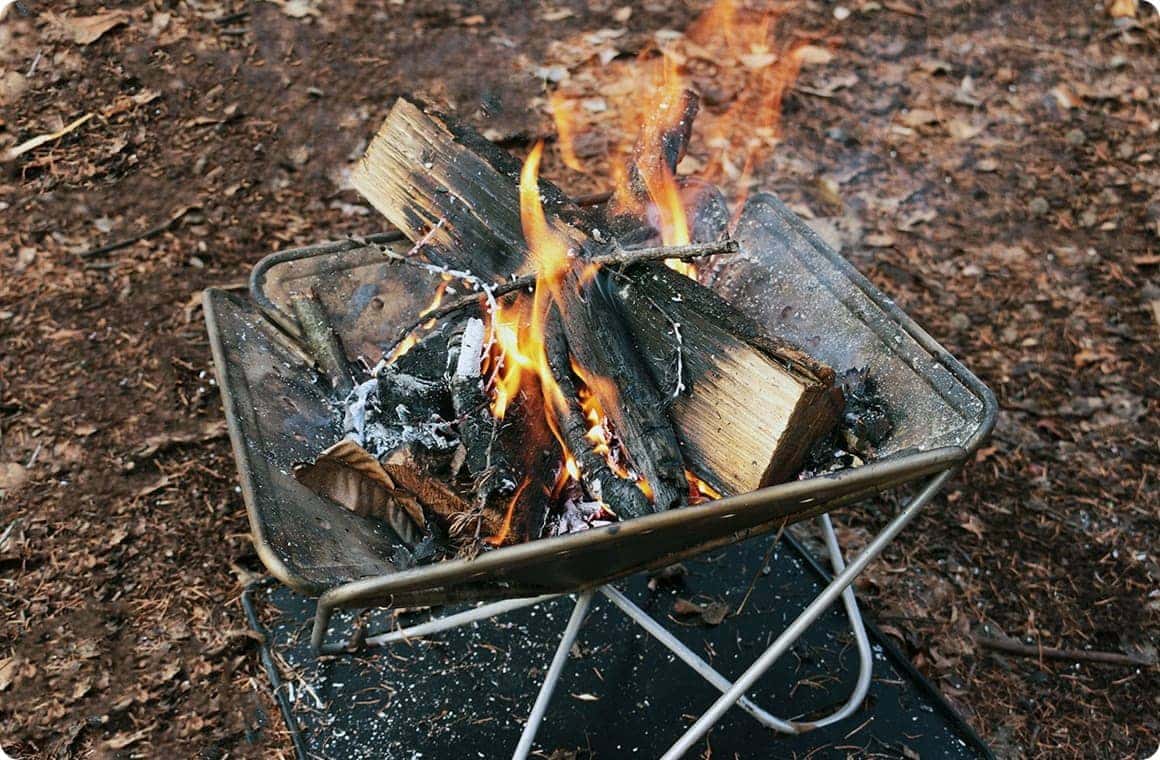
(803, 621)
(554, 671)
(437, 625)
(723, 684)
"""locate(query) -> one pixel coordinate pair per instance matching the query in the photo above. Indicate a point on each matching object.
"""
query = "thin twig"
(152, 232)
(1011, 646)
(760, 568)
(616, 257)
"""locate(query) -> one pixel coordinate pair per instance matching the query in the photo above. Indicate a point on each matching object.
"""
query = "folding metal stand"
(732, 692)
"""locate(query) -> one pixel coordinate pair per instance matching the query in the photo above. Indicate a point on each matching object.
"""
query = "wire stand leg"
(791, 634)
(723, 684)
(554, 671)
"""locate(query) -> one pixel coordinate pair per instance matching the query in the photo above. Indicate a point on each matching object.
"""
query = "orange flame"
(742, 51)
(506, 527)
(600, 433)
(700, 491)
(661, 114)
(565, 121)
(519, 328)
(748, 39)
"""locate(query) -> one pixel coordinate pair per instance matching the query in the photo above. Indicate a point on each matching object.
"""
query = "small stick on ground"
(1018, 648)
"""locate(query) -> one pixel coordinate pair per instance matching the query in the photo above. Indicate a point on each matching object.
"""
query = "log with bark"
(743, 407)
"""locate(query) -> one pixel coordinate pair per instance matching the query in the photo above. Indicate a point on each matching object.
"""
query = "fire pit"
(284, 355)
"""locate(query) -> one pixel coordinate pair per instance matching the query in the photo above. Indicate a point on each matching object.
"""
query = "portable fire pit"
(782, 316)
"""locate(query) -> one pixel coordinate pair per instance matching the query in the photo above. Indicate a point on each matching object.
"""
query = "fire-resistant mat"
(466, 693)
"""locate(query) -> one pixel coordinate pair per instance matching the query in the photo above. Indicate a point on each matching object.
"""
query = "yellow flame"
(565, 120)
(661, 114)
(700, 491)
(520, 328)
(506, 526)
(440, 291)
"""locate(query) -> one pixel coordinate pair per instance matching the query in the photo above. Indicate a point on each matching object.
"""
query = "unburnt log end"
(746, 406)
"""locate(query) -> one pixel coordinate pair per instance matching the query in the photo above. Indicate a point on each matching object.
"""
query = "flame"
(700, 491)
(440, 291)
(663, 206)
(745, 52)
(406, 344)
(521, 358)
(506, 526)
(600, 432)
(747, 41)
(565, 120)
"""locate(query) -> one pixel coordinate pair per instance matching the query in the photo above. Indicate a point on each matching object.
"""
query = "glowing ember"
(700, 491)
(600, 432)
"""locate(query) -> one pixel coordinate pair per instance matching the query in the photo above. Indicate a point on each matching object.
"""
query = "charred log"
(747, 406)
(594, 325)
(621, 495)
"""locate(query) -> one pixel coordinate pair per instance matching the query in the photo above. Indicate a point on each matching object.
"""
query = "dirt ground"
(992, 166)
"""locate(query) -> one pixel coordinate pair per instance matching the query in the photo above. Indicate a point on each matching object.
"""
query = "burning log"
(627, 330)
(621, 494)
(503, 483)
(594, 326)
(493, 475)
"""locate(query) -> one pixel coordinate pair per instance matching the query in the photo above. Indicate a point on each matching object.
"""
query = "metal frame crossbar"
(732, 692)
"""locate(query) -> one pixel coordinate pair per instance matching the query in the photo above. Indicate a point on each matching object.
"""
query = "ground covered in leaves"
(992, 166)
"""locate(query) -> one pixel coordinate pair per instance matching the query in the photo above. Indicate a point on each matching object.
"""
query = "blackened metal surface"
(466, 693)
(279, 413)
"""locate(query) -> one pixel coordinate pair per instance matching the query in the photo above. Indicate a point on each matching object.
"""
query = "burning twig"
(616, 257)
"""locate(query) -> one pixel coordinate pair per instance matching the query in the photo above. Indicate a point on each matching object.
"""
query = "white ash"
(380, 433)
(470, 349)
(577, 516)
(355, 415)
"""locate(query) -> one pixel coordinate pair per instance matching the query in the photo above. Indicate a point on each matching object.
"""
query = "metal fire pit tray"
(280, 411)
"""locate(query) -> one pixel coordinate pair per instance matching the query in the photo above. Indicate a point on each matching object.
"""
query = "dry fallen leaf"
(917, 117)
(297, 8)
(86, 30)
(756, 61)
(712, 613)
(124, 739)
(12, 477)
(1123, 9)
(879, 240)
(8, 668)
(813, 55)
(973, 525)
(963, 130)
(557, 14)
(349, 475)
